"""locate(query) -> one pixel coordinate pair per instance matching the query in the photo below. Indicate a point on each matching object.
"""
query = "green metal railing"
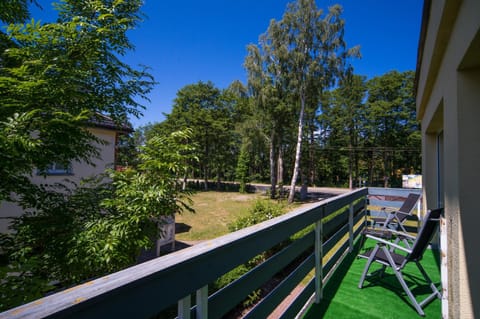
(328, 227)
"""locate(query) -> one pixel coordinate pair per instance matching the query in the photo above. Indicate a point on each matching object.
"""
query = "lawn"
(213, 212)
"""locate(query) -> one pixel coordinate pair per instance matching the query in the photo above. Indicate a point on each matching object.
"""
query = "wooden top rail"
(146, 289)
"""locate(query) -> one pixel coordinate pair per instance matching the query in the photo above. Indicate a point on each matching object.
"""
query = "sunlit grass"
(213, 212)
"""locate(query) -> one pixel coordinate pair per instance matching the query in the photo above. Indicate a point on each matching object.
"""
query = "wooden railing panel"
(391, 198)
(335, 258)
(228, 297)
(333, 240)
(333, 207)
(331, 226)
(296, 306)
(278, 294)
(359, 207)
(392, 191)
(146, 289)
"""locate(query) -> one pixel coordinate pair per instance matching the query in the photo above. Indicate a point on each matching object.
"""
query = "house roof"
(106, 122)
(421, 41)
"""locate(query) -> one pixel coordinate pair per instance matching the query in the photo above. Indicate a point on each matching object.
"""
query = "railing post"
(419, 212)
(184, 306)
(318, 259)
(202, 303)
(350, 227)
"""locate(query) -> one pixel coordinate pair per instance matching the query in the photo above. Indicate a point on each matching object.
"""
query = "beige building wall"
(448, 105)
(79, 170)
(82, 170)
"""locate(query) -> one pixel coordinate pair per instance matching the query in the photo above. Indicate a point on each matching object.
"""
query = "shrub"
(261, 211)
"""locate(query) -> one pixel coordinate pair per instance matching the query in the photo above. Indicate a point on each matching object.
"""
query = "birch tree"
(316, 57)
(297, 59)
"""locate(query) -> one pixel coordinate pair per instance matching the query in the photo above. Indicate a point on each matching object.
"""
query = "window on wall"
(56, 169)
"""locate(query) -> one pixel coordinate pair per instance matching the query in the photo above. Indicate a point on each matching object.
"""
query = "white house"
(103, 128)
(448, 105)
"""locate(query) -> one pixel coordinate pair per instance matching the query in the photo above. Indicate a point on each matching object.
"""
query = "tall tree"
(344, 115)
(393, 129)
(369, 129)
(55, 77)
(209, 113)
(13, 11)
(310, 47)
(268, 87)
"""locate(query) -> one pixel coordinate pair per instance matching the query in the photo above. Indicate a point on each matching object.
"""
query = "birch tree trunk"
(184, 182)
(311, 162)
(273, 167)
(280, 171)
(298, 151)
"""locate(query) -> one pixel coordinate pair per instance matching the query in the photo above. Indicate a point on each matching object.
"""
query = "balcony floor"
(380, 299)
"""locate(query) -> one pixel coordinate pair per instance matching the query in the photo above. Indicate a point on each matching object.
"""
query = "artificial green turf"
(379, 298)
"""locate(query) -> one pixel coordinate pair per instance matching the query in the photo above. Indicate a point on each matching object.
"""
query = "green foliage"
(298, 58)
(229, 277)
(13, 11)
(241, 173)
(253, 298)
(56, 77)
(261, 211)
(54, 80)
(37, 250)
(19, 286)
(370, 131)
(72, 233)
(208, 111)
(127, 151)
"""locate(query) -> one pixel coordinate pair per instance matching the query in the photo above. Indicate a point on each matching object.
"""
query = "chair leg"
(404, 285)
(370, 260)
(435, 292)
(410, 295)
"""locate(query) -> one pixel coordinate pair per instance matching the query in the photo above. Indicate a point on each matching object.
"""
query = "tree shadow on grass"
(419, 287)
(182, 228)
(331, 288)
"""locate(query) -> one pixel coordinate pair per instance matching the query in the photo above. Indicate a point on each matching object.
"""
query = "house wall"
(448, 105)
(79, 170)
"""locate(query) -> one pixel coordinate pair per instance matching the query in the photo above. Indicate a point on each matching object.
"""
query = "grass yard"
(213, 212)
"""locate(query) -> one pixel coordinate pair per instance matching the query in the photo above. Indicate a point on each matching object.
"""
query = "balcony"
(317, 259)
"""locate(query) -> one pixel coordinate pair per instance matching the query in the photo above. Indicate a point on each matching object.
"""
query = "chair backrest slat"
(409, 204)
(428, 229)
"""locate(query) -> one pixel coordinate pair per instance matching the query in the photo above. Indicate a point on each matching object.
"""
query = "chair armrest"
(401, 233)
(401, 213)
(388, 243)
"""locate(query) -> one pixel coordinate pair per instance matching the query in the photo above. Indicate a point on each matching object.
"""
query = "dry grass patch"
(213, 212)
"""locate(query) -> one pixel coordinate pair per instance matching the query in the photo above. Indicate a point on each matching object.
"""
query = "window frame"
(56, 169)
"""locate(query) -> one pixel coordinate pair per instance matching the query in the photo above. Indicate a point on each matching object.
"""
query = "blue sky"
(187, 41)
